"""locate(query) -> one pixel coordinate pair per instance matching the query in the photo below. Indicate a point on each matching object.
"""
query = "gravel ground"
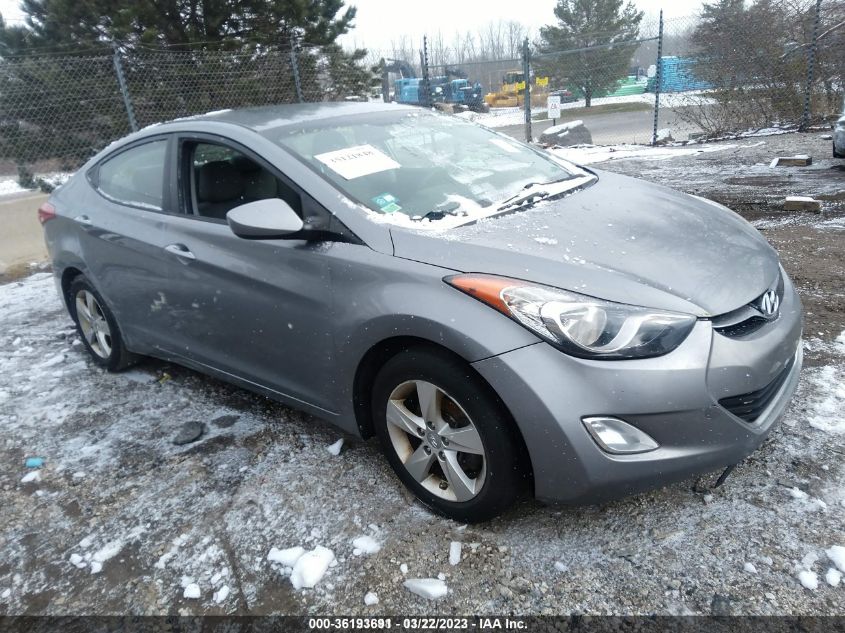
(119, 519)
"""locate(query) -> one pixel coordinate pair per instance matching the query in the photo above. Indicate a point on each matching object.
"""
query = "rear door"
(259, 310)
(122, 228)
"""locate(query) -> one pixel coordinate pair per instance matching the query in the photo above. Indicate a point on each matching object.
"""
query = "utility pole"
(526, 74)
(124, 91)
(425, 98)
(658, 79)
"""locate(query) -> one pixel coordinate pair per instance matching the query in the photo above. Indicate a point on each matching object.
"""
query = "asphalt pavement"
(615, 127)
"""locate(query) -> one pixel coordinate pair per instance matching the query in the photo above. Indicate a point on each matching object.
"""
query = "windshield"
(421, 166)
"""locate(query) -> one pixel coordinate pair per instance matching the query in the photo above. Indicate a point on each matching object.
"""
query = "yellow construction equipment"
(512, 92)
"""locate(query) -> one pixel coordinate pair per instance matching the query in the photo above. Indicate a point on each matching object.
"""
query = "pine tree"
(226, 23)
(597, 34)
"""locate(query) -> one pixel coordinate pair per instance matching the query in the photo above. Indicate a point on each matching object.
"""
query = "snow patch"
(429, 588)
(370, 599)
(826, 407)
(365, 545)
(192, 592)
(334, 449)
(588, 154)
(833, 577)
(108, 551)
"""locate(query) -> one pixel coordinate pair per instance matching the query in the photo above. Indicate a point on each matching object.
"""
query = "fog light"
(615, 436)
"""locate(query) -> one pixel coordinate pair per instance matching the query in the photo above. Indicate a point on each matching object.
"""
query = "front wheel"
(447, 436)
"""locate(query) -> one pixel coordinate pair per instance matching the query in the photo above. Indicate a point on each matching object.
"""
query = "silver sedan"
(507, 323)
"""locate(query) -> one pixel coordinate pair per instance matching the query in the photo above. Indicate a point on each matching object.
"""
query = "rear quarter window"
(135, 176)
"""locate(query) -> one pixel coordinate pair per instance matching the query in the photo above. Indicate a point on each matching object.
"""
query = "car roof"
(264, 118)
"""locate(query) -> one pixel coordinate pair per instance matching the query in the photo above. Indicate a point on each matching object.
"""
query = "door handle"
(180, 250)
(84, 220)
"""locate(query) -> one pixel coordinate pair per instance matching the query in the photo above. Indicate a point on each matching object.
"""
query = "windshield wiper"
(520, 199)
(526, 200)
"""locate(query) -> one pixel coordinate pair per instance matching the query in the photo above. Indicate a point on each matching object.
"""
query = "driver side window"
(220, 178)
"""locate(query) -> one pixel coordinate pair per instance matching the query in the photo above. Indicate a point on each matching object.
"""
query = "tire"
(479, 484)
(100, 335)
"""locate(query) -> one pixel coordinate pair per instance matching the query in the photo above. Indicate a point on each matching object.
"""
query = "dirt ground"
(119, 519)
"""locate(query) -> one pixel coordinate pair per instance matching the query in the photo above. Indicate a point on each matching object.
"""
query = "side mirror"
(269, 219)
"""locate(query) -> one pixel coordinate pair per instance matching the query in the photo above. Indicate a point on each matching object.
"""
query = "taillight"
(46, 212)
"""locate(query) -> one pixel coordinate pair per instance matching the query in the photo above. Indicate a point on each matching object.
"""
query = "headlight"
(577, 324)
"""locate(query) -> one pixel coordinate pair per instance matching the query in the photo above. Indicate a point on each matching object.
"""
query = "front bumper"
(673, 398)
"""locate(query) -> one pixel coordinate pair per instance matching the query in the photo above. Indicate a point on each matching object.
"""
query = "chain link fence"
(770, 64)
(759, 65)
(56, 110)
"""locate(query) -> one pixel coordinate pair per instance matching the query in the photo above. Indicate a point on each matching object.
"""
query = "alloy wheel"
(436, 441)
(93, 323)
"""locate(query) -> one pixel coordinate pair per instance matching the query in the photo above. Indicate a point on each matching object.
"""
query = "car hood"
(621, 239)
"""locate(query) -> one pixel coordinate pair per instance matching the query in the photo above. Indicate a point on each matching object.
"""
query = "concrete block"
(802, 203)
(801, 160)
(565, 134)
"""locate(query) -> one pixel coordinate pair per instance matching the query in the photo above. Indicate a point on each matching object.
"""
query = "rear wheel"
(447, 436)
(97, 326)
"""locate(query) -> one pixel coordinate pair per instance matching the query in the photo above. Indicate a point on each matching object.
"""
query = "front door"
(260, 310)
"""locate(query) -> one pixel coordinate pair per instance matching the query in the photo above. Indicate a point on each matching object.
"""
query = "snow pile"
(9, 186)
(286, 557)
(77, 561)
(221, 594)
(429, 588)
(365, 545)
(32, 477)
(833, 577)
(836, 554)
(454, 553)
(808, 579)
(311, 567)
(334, 449)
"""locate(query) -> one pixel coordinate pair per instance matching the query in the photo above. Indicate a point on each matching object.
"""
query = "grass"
(605, 108)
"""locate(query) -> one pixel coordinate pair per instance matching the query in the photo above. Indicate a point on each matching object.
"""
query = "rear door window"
(135, 176)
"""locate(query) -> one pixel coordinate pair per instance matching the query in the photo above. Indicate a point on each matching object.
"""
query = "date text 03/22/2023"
(419, 623)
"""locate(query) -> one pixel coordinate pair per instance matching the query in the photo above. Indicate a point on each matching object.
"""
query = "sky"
(378, 22)
(381, 21)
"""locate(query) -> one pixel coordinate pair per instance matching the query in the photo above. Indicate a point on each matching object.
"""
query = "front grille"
(749, 406)
(743, 328)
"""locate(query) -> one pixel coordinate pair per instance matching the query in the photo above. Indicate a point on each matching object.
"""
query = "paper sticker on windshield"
(503, 144)
(354, 162)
